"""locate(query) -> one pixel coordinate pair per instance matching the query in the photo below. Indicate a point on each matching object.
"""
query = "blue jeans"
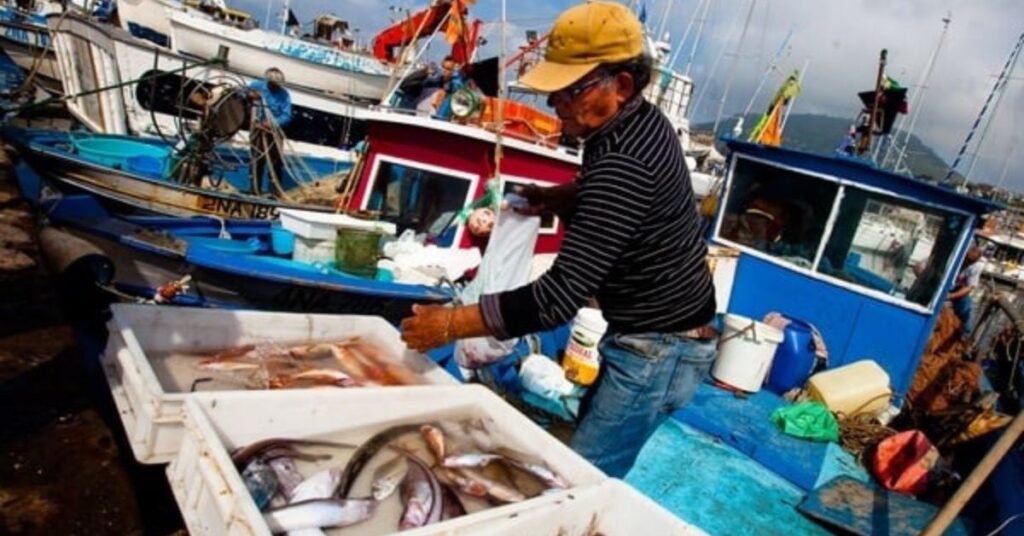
(644, 378)
(962, 308)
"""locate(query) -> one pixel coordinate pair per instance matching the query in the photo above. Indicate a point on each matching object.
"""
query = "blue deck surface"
(716, 487)
(743, 424)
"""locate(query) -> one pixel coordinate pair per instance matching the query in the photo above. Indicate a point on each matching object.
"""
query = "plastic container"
(612, 508)
(582, 361)
(213, 499)
(116, 152)
(860, 387)
(357, 251)
(794, 358)
(745, 353)
(148, 395)
(282, 241)
(324, 225)
(312, 250)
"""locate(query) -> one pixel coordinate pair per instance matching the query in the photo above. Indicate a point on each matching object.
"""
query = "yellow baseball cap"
(584, 37)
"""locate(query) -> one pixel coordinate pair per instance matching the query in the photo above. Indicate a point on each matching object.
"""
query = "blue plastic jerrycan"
(794, 358)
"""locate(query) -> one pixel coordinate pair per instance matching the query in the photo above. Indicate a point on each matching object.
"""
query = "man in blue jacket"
(272, 111)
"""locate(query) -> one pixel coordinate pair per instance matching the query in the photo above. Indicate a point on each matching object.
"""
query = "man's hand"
(430, 326)
(559, 199)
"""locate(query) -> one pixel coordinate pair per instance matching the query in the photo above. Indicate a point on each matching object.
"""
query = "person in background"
(435, 98)
(272, 111)
(966, 282)
(632, 242)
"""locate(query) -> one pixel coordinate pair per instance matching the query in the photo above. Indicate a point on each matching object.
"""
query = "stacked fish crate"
(300, 424)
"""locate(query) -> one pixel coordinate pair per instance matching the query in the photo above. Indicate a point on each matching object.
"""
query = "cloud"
(840, 38)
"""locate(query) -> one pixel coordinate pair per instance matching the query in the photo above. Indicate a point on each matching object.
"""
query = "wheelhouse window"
(891, 245)
(425, 199)
(777, 211)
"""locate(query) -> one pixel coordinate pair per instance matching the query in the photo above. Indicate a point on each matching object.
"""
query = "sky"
(839, 40)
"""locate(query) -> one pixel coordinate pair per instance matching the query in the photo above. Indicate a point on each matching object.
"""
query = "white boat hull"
(304, 64)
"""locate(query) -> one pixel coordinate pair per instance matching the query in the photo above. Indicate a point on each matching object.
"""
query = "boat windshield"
(426, 201)
(872, 240)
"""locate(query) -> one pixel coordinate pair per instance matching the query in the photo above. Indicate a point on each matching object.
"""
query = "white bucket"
(746, 352)
(581, 360)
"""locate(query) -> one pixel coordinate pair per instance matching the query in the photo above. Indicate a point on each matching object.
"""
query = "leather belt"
(701, 333)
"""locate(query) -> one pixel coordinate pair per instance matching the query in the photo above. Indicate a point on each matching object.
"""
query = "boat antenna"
(999, 85)
(732, 69)
(916, 104)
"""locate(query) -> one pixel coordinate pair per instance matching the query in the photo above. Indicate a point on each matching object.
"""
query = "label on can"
(581, 361)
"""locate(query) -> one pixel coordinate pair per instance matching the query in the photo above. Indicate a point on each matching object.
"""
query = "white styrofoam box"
(325, 225)
(310, 250)
(612, 508)
(213, 498)
(151, 411)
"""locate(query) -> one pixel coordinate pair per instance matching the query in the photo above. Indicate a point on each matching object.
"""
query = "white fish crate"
(612, 508)
(214, 500)
(150, 407)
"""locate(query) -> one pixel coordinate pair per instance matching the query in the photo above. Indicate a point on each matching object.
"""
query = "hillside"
(822, 134)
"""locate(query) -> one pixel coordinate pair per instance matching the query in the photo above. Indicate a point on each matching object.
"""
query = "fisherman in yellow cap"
(632, 241)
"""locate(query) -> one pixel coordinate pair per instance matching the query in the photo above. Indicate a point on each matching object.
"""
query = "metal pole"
(865, 141)
(732, 69)
(284, 16)
(500, 116)
(696, 39)
(686, 34)
(664, 21)
(916, 105)
(991, 119)
(956, 503)
(768, 70)
(984, 108)
(800, 81)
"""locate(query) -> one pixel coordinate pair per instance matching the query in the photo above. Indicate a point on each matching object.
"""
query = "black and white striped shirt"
(633, 242)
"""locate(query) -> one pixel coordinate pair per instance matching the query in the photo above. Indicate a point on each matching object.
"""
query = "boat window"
(887, 244)
(548, 222)
(164, 94)
(777, 211)
(424, 201)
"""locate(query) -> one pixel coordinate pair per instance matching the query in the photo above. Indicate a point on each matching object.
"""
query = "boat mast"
(664, 21)
(865, 141)
(991, 118)
(696, 39)
(916, 105)
(772, 66)
(500, 115)
(1000, 83)
(732, 69)
(686, 35)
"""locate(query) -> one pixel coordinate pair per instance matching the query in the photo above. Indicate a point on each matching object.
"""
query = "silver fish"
(541, 472)
(319, 513)
(387, 477)
(288, 476)
(321, 485)
(422, 496)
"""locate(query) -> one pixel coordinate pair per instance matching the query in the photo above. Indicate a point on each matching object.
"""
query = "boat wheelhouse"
(795, 218)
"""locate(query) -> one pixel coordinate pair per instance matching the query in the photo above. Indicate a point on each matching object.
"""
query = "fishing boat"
(25, 38)
(230, 263)
(120, 84)
(1004, 257)
(147, 174)
(305, 64)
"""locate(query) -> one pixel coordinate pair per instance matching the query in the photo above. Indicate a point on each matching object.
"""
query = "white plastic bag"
(505, 266)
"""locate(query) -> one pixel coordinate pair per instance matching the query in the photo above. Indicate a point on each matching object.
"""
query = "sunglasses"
(569, 93)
